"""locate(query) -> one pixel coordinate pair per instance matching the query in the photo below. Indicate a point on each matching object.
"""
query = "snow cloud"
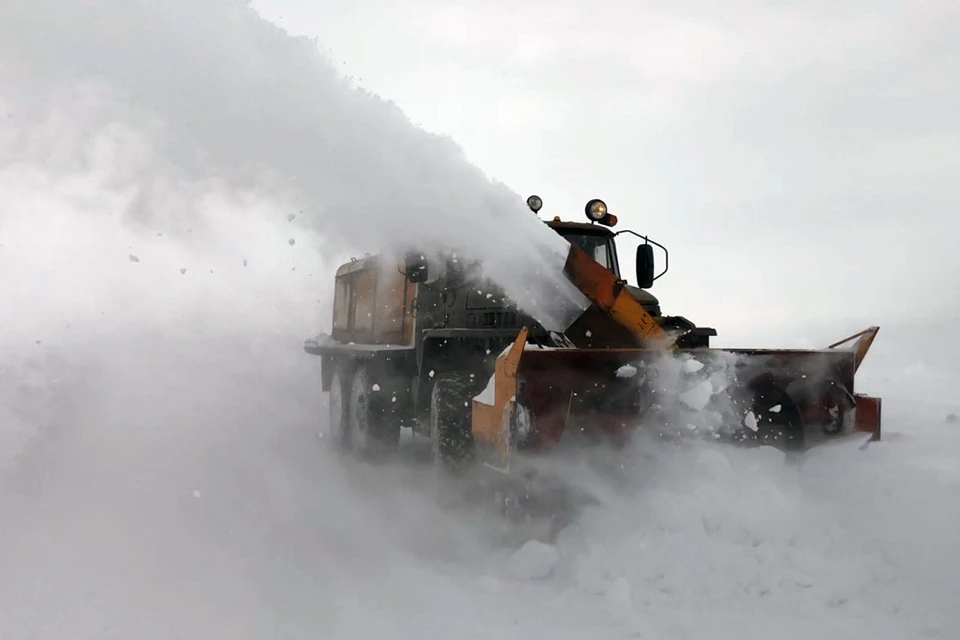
(797, 158)
(183, 96)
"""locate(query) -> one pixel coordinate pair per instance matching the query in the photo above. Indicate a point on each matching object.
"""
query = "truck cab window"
(596, 246)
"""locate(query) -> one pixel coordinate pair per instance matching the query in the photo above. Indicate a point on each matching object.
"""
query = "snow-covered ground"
(173, 487)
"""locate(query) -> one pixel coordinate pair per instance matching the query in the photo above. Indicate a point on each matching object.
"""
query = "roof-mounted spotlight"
(596, 211)
(535, 203)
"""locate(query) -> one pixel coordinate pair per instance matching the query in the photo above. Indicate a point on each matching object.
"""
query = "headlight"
(535, 203)
(596, 209)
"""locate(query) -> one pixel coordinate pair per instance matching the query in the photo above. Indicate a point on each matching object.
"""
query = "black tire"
(372, 433)
(336, 432)
(451, 439)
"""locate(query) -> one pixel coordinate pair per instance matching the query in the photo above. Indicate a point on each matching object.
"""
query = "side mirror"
(415, 267)
(645, 266)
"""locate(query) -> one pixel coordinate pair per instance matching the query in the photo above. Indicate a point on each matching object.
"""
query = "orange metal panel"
(491, 423)
(864, 340)
(365, 287)
(373, 303)
(868, 414)
(390, 309)
(603, 289)
(341, 305)
(592, 278)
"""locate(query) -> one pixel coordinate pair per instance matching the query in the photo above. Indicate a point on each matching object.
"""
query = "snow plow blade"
(790, 398)
(793, 399)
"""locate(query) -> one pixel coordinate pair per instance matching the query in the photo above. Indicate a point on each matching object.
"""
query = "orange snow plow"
(415, 340)
(432, 345)
(540, 395)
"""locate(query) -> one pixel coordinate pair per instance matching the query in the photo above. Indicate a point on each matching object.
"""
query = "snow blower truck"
(423, 346)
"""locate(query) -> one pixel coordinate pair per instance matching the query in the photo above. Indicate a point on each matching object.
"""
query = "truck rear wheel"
(372, 432)
(451, 439)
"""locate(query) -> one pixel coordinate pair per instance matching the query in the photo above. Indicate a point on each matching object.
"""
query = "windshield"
(597, 247)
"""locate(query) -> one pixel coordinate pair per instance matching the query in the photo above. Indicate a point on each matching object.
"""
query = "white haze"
(159, 473)
(258, 110)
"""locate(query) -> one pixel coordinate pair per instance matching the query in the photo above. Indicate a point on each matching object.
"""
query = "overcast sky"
(804, 153)
(799, 159)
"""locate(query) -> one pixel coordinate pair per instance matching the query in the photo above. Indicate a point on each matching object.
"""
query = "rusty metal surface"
(787, 362)
(864, 340)
(580, 388)
(868, 415)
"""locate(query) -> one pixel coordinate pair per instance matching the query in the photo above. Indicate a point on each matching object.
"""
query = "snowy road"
(183, 498)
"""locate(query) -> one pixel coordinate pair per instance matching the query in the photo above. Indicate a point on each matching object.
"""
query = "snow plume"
(198, 93)
(689, 394)
(711, 393)
(159, 469)
(177, 181)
